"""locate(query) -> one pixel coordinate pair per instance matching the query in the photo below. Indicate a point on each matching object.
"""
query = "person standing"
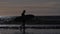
(22, 27)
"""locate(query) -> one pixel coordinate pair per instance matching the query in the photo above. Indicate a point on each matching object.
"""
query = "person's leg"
(20, 28)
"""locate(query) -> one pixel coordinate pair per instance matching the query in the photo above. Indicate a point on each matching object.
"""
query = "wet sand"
(30, 31)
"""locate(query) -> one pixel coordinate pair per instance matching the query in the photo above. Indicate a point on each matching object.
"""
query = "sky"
(35, 7)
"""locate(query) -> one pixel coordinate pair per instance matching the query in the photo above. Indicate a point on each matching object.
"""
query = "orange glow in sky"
(35, 7)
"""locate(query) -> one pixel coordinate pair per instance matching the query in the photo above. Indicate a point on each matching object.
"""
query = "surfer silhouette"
(25, 18)
(22, 27)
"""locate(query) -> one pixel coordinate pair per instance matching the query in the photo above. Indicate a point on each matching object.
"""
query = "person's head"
(24, 11)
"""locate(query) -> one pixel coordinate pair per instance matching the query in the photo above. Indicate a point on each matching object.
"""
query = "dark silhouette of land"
(36, 20)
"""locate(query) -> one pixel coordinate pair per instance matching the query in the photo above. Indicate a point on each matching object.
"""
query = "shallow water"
(30, 31)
